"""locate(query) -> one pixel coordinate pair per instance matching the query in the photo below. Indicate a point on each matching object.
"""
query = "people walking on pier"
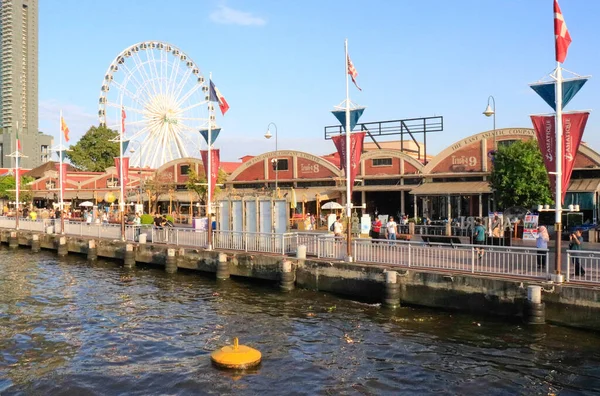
(337, 227)
(391, 229)
(479, 237)
(575, 242)
(542, 243)
(376, 228)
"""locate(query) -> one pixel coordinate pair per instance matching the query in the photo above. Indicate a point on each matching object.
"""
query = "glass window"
(280, 164)
(185, 169)
(382, 162)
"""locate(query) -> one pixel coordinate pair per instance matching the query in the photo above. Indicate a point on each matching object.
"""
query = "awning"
(310, 194)
(396, 187)
(584, 185)
(452, 188)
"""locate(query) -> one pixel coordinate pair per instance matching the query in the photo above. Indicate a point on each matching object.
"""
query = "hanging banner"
(214, 168)
(356, 147)
(570, 88)
(573, 127)
(355, 115)
(530, 227)
(214, 134)
(62, 172)
(125, 176)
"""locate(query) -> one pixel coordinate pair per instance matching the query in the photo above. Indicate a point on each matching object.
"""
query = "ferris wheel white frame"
(165, 102)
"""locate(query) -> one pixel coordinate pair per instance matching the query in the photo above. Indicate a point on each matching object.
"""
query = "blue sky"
(283, 61)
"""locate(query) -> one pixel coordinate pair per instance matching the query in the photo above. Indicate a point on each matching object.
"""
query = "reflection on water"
(69, 327)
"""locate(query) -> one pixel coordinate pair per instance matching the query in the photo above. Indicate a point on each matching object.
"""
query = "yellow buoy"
(236, 356)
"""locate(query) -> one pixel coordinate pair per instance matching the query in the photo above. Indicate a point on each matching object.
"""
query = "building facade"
(19, 84)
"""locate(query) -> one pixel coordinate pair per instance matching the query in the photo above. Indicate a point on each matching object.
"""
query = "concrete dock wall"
(566, 304)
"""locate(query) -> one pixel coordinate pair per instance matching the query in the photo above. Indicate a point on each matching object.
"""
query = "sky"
(283, 62)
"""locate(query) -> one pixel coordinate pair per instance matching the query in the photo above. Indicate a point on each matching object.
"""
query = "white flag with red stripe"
(561, 34)
(352, 72)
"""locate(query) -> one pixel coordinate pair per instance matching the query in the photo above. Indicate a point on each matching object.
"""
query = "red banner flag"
(561, 34)
(62, 173)
(125, 177)
(573, 127)
(214, 168)
(356, 147)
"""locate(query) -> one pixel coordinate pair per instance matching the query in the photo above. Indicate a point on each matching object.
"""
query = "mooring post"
(287, 277)
(63, 249)
(35, 243)
(222, 267)
(171, 264)
(13, 240)
(129, 259)
(92, 252)
(535, 309)
(392, 290)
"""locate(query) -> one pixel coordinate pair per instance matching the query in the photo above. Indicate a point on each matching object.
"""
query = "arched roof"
(393, 153)
(284, 153)
(501, 134)
(185, 160)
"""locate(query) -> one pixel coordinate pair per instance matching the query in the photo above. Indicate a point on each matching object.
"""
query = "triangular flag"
(570, 88)
(355, 115)
(214, 133)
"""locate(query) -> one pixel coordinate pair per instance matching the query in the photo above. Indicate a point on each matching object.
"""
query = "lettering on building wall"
(309, 168)
(464, 160)
(490, 135)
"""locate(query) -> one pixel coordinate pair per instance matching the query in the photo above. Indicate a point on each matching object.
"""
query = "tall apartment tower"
(19, 85)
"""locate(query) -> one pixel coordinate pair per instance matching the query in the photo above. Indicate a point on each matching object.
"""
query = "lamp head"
(268, 134)
(488, 111)
(132, 150)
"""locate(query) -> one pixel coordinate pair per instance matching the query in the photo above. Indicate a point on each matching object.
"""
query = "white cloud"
(229, 16)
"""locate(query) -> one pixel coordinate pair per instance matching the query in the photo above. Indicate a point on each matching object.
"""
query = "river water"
(72, 328)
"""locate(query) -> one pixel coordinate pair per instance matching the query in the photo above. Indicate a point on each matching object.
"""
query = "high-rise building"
(19, 84)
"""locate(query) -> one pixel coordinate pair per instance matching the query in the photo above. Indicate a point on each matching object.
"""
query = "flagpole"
(558, 177)
(17, 180)
(348, 151)
(209, 170)
(60, 176)
(121, 179)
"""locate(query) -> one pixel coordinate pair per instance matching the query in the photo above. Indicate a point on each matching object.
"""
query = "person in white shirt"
(391, 229)
(337, 227)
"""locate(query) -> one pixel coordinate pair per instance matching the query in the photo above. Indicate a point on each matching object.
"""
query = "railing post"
(283, 244)
(568, 274)
(409, 254)
(176, 236)
(245, 241)
(318, 247)
(472, 260)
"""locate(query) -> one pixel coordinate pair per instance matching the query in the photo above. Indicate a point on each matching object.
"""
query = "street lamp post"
(274, 160)
(491, 111)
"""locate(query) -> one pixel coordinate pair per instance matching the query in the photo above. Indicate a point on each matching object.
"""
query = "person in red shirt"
(375, 228)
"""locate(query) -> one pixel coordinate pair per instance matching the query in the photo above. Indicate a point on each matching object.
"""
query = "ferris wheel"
(160, 96)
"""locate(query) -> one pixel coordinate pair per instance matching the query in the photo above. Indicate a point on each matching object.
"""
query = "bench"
(451, 240)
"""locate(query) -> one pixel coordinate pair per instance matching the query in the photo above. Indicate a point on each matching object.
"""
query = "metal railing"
(519, 261)
(482, 259)
(430, 229)
(583, 266)
(178, 236)
(286, 243)
(331, 247)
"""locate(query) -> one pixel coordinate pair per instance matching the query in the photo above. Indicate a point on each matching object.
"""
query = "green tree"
(94, 152)
(197, 183)
(7, 188)
(519, 177)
